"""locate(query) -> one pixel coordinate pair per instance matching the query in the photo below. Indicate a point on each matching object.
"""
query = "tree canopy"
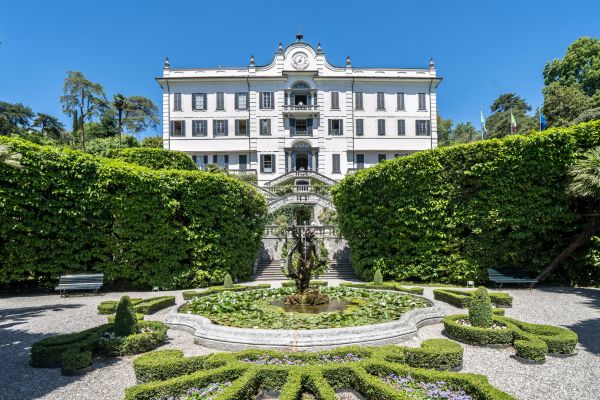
(499, 124)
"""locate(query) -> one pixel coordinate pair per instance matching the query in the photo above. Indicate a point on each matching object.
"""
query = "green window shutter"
(341, 126)
(329, 122)
(309, 126)
(292, 126)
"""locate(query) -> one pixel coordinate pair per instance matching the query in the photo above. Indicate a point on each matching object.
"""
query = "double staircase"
(270, 270)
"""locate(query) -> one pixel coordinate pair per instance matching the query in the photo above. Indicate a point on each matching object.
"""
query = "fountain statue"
(305, 249)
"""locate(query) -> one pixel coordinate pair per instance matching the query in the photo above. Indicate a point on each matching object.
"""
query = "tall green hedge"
(69, 211)
(447, 214)
(154, 158)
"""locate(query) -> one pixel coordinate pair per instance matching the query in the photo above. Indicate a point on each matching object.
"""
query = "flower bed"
(141, 306)
(191, 294)
(70, 351)
(167, 374)
(384, 286)
(462, 298)
(253, 309)
(531, 341)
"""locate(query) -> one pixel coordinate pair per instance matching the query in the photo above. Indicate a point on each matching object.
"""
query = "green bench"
(516, 276)
(68, 283)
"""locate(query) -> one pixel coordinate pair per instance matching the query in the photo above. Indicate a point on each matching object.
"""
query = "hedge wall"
(67, 211)
(154, 158)
(448, 214)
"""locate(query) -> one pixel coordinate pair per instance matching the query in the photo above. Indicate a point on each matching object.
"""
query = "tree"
(82, 99)
(14, 118)
(579, 67)
(153, 141)
(592, 114)
(464, 133)
(499, 124)
(585, 187)
(49, 126)
(563, 104)
(444, 127)
(135, 113)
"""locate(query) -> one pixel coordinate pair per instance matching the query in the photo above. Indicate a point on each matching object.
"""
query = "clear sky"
(481, 48)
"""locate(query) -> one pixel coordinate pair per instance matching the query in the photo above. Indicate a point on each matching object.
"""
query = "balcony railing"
(301, 132)
(300, 107)
(242, 171)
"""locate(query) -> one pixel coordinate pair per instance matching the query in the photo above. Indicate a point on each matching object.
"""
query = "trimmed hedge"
(154, 158)
(190, 294)
(67, 211)
(141, 306)
(532, 341)
(167, 373)
(385, 286)
(462, 298)
(313, 283)
(437, 215)
(70, 351)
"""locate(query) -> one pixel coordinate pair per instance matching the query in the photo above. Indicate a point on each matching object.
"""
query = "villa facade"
(298, 113)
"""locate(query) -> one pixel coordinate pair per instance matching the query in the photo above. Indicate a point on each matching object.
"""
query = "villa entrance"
(301, 162)
(301, 157)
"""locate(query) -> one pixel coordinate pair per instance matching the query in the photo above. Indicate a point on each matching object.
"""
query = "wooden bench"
(69, 283)
(516, 276)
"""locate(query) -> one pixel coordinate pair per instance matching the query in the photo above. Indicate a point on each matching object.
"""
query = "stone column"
(313, 160)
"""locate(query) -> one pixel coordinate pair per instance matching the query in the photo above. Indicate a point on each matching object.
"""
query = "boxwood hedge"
(67, 211)
(438, 215)
(462, 298)
(167, 373)
(385, 286)
(190, 294)
(141, 306)
(154, 158)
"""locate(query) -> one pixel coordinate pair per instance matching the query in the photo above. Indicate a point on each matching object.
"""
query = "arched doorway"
(302, 157)
(302, 161)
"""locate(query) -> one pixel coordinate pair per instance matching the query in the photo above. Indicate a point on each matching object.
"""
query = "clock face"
(300, 60)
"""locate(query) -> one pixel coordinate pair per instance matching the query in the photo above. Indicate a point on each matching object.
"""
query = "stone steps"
(271, 270)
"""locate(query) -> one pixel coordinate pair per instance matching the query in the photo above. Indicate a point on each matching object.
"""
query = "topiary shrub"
(228, 282)
(378, 278)
(480, 309)
(74, 359)
(125, 320)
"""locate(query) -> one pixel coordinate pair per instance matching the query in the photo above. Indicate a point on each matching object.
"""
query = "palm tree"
(585, 187)
(7, 157)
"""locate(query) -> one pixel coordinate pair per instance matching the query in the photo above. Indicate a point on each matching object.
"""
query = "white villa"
(298, 113)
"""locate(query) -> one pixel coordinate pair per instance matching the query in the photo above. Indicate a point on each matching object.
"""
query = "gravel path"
(27, 319)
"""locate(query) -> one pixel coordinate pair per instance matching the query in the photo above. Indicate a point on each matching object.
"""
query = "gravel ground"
(27, 319)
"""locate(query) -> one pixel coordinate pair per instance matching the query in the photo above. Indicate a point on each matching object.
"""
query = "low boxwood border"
(141, 306)
(462, 298)
(385, 286)
(167, 373)
(190, 294)
(531, 341)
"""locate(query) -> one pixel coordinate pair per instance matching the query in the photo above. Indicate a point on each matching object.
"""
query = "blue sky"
(482, 49)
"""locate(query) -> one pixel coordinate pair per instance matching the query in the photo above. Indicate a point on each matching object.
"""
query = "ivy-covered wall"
(154, 158)
(66, 211)
(448, 214)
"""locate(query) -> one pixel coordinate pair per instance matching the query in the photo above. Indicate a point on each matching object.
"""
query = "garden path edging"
(221, 337)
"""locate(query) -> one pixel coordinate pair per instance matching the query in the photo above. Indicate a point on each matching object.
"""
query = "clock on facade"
(300, 60)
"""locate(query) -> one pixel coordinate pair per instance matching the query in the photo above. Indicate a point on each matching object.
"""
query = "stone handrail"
(300, 198)
(301, 174)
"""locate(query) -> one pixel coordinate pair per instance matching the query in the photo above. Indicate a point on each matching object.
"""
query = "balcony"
(295, 110)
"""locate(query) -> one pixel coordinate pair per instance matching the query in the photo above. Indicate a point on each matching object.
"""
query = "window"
(178, 128)
(220, 127)
(360, 161)
(336, 127)
(400, 101)
(195, 160)
(422, 102)
(226, 161)
(199, 127)
(335, 161)
(267, 163)
(266, 100)
(401, 127)
(380, 101)
(422, 127)
(220, 101)
(198, 101)
(265, 126)
(241, 127)
(205, 160)
(335, 100)
(301, 127)
(215, 159)
(358, 100)
(241, 101)
(360, 127)
(381, 127)
(243, 162)
(381, 157)
(176, 101)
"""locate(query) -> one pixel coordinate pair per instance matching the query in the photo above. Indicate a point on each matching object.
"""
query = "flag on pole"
(513, 123)
(483, 127)
(543, 123)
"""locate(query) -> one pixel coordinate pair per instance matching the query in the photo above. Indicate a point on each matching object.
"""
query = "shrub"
(227, 282)
(109, 216)
(438, 214)
(480, 309)
(461, 298)
(111, 318)
(125, 320)
(152, 334)
(190, 294)
(154, 158)
(378, 279)
(74, 359)
(141, 306)
(435, 353)
(385, 286)
(474, 334)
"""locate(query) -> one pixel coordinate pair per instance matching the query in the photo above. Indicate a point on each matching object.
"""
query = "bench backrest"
(82, 278)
